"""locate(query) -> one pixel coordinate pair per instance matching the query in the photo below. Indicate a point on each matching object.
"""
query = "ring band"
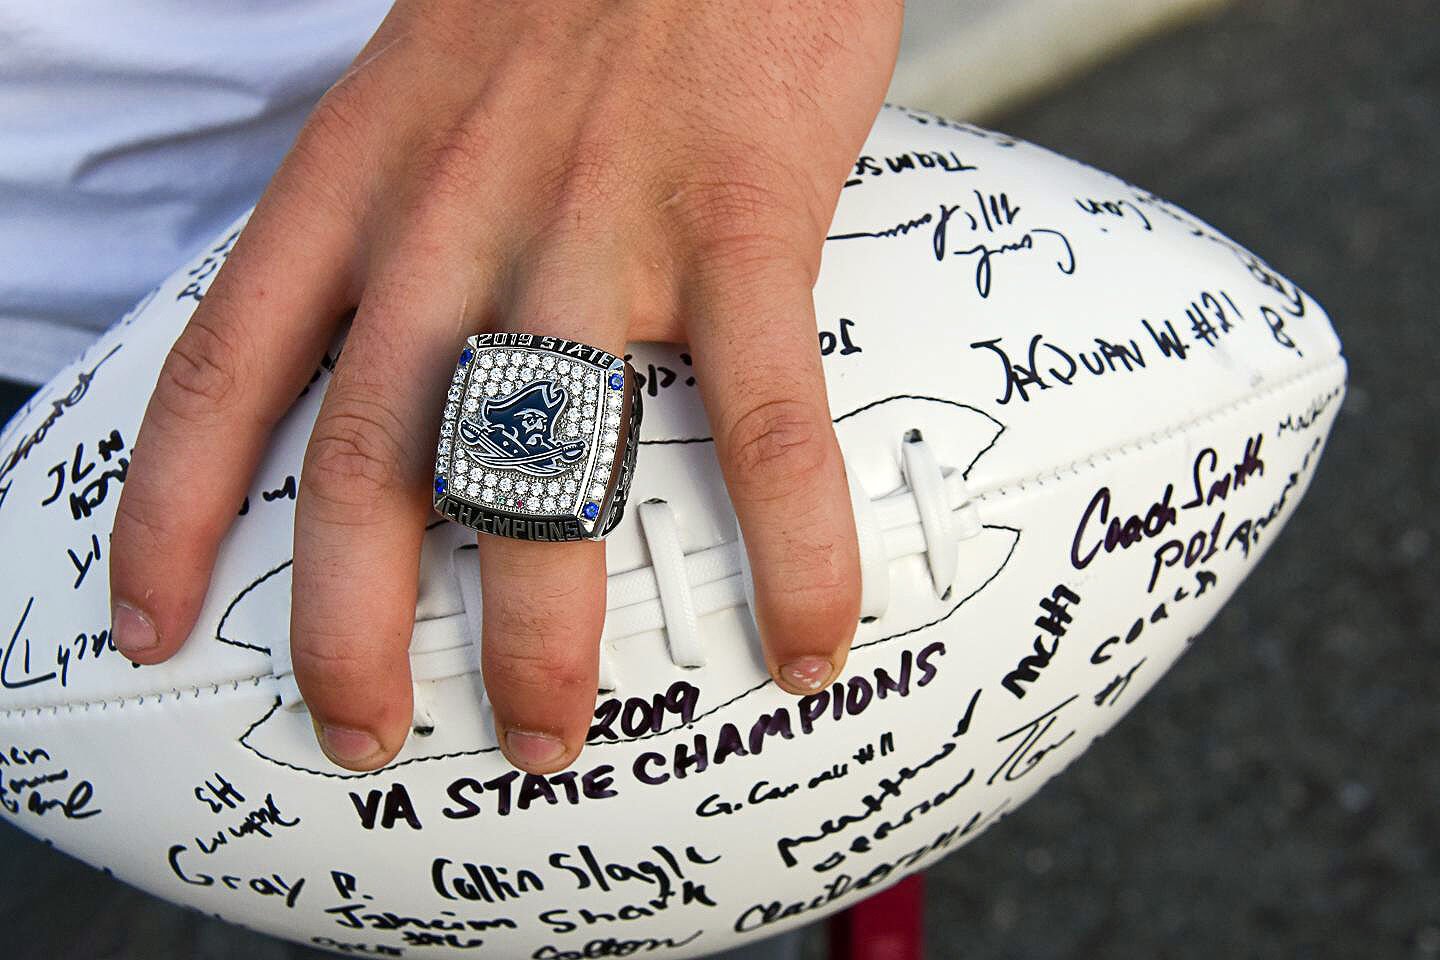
(538, 439)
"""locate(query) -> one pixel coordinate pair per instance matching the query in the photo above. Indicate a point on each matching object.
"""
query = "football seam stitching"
(1011, 487)
(119, 703)
(1336, 363)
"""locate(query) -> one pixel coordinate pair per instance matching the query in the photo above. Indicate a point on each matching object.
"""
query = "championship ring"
(539, 438)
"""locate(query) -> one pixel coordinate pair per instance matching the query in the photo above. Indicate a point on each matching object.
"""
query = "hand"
(604, 172)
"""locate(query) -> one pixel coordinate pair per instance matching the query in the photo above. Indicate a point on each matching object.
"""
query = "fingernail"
(131, 631)
(346, 746)
(533, 749)
(807, 673)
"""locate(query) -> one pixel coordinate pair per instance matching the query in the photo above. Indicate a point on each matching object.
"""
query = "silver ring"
(538, 439)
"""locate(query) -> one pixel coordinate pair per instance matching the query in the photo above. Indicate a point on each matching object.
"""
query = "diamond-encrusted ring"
(539, 438)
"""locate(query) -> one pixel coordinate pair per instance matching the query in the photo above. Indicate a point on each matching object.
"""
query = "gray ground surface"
(1276, 794)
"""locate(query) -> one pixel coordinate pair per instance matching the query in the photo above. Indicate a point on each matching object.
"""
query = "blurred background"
(1278, 793)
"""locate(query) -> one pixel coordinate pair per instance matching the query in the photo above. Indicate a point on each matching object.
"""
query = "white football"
(1074, 416)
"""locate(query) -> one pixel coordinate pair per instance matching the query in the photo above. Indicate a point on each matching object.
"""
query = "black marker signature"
(58, 407)
(984, 270)
(5, 675)
(1021, 761)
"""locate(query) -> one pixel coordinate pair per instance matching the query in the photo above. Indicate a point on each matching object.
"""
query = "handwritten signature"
(991, 214)
(29, 442)
(24, 792)
(1026, 755)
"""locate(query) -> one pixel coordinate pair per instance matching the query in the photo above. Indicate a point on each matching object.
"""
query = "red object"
(887, 926)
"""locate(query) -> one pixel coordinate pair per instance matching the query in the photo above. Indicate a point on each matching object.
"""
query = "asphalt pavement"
(1276, 794)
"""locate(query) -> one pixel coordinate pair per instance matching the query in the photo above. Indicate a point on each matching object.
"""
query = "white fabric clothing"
(131, 132)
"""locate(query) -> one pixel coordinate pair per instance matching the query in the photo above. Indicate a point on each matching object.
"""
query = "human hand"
(604, 172)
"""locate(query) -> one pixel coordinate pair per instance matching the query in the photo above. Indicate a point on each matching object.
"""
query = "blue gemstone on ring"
(617, 380)
(591, 511)
(465, 356)
(439, 484)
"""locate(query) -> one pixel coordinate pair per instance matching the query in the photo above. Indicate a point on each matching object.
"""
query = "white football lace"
(930, 515)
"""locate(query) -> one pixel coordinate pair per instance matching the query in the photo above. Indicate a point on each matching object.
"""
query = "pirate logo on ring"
(517, 432)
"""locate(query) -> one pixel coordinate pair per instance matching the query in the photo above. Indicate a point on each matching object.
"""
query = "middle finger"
(544, 603)
(362, 507)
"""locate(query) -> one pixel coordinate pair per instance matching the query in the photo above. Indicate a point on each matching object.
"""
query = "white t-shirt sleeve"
(133, 132)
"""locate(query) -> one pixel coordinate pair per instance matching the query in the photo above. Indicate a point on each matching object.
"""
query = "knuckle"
(327, 657)
(329, 662)
(539, 673)
(136, 519)
(147, 530)
(819, 602)
(355, 454)
(586, 183)
(734, 217)
(457, 158)
(743, 212)
(305, 186)
(776, 448)
(541, 649)
(201, 375)
(336, 124)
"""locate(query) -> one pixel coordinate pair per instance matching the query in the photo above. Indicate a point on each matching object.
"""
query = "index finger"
(249, 349)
